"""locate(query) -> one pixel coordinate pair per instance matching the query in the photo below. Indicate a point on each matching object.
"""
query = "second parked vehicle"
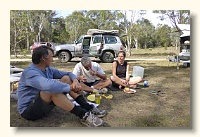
(37, 44)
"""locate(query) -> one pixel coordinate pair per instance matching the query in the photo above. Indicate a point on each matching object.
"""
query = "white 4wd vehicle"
(102, 44)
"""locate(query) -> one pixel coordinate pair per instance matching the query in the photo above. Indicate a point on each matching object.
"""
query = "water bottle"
(97, 98)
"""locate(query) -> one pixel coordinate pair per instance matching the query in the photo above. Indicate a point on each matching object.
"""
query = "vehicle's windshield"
(80, 40)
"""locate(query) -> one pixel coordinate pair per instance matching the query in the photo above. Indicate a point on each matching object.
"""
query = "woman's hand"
(125, 82)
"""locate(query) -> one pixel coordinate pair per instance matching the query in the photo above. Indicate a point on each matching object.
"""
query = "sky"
(149, 15)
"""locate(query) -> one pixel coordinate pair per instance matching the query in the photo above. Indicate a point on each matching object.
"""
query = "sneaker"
(103, 91)
(98, 113)
(14, 95)
(91, 121)
(84, 93)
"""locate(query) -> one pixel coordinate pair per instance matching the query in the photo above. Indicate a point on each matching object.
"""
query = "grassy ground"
(142, 109)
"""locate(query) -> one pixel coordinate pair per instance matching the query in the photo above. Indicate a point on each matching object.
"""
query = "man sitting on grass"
(39, 91)
(91, 76)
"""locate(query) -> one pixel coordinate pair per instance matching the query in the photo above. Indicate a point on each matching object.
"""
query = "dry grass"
(139, 110)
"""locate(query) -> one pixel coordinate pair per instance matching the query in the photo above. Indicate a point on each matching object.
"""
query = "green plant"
(24, 52)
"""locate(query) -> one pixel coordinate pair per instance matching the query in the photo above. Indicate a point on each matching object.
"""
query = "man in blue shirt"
(42, 87)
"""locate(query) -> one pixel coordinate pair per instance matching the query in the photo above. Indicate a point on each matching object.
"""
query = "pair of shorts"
(92, 83)
(37, 109)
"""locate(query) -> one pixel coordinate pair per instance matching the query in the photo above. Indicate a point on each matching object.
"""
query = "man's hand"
(76, 86)
(82, 78)
(93, 73)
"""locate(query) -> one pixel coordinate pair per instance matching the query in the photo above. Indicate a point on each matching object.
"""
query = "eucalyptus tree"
(103, 19)
(162, 36)
(76, 24)
(59, 33)
(17, 29)
(175, 16)
(127, 20)
(146, 29)
(38, 20)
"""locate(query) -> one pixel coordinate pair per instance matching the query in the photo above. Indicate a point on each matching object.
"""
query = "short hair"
(123, 52)
(40, 52)
(85, 61)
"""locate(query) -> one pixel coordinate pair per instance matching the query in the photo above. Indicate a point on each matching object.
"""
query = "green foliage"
(28, 26)
(24, 52)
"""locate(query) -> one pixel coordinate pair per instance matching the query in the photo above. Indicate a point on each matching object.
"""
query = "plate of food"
(129, 90)
(91, 97)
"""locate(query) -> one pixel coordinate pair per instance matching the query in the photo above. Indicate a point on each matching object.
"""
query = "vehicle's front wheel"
(64, 57)
(107, 57)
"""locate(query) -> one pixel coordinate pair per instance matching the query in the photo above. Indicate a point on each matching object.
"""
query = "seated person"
(120, 73)
(87, 73)
(39, 91)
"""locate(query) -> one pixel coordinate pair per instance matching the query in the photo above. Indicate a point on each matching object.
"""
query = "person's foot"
(91, 121)
(103, 91)
(133, 86)
(100, 91)
(99, 113)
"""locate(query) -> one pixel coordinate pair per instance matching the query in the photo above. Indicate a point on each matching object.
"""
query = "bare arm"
(102, 76)
(114, 66)
(127, 72)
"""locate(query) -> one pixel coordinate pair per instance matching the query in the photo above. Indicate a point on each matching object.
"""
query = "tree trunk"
(15, 46)
(15, 40)
(27, 40)
(136, 43)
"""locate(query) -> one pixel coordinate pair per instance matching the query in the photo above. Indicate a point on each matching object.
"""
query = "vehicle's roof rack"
(97, 31)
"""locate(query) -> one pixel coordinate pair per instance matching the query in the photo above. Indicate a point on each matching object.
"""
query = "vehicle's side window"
(48, 44)
(97, 39)
(86, 41)
(110, 40)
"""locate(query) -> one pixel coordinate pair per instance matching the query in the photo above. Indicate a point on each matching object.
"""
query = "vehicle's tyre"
(107, 57)
(64, 57)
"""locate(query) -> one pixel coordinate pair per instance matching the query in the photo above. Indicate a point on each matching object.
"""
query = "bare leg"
(86, 88)
(134, 80)
(60, 99)
(117, 81)
(103, 84)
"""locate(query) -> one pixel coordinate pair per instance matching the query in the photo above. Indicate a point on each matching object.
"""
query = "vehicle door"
(86, 45)
(96, 45)
(78, 46)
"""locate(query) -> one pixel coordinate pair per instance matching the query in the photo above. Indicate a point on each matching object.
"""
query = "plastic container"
(138, 71)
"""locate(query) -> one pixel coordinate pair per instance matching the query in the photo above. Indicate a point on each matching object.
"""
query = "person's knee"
(109, 82)
(66, 79)
(74, 95)
(112, 78)
(140, 79)
(46, 96)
